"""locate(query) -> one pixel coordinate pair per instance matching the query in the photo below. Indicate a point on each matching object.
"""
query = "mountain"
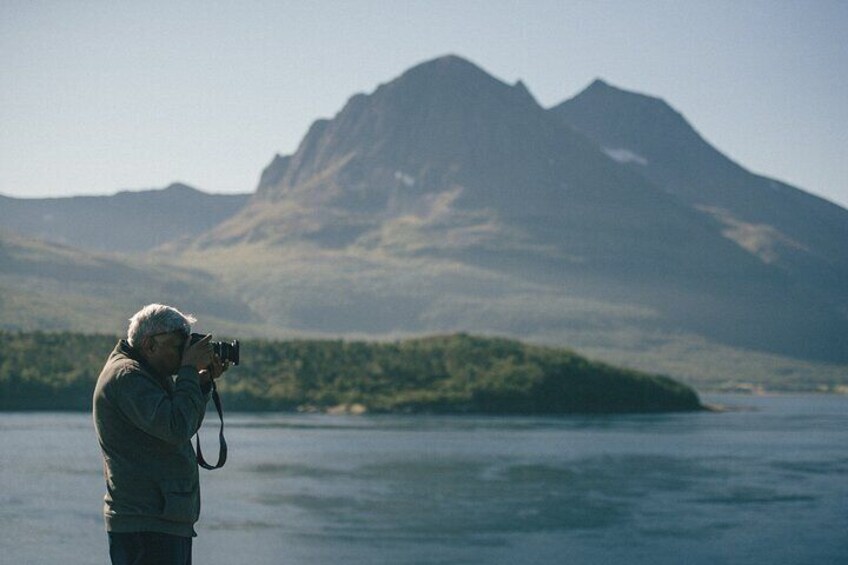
(803, 236)
(449, 200)
(128, 222)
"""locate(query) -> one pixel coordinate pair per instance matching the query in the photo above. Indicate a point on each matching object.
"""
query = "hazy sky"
(100, 96)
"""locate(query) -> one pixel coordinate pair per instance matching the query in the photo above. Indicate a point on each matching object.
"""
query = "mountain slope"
(45, 286)
(128, 222)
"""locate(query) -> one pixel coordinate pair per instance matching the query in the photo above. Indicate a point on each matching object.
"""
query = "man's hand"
(215, 369)
(199, 354)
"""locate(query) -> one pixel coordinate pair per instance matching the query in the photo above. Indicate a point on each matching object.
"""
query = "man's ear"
(148, 345)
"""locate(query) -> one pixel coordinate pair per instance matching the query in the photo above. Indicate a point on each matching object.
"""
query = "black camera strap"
(222, 450)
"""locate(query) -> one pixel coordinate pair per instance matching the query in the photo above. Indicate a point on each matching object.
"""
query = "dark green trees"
(445, 374)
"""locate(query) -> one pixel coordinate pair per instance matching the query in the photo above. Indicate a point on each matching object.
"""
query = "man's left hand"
(213, 371)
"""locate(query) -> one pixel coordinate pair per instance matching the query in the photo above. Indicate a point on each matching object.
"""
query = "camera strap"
(222, 450)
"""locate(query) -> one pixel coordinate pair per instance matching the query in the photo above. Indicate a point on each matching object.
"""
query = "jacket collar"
(125, 349)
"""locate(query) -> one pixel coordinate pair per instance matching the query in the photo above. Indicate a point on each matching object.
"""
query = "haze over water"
(765, 483)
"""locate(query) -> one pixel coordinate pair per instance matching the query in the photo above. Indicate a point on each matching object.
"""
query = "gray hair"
(157, 319)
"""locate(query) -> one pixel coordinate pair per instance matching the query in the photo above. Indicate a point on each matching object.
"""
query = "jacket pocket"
(181, 500)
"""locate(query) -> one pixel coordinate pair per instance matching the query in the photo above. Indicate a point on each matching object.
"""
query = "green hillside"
(448, 374)
(46, 286)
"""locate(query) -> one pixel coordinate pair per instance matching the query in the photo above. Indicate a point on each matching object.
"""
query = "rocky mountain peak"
(432, 116)
(602, 99)
(449, 81)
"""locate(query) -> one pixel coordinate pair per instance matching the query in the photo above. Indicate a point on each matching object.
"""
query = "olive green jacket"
(144, 424)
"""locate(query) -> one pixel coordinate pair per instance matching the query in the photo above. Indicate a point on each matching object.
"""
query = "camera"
(225, 351)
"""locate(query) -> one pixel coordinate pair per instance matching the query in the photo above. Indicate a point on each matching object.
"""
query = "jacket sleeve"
(172, 418)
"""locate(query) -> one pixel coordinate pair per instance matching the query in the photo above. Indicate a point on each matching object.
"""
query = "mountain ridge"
(125, 222)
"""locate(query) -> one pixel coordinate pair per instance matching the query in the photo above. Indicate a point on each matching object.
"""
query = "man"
(144, 420)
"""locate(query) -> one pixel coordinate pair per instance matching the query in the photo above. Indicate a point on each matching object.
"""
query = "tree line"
(441, 374)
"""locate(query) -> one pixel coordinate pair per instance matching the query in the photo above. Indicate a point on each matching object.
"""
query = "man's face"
(165, 352)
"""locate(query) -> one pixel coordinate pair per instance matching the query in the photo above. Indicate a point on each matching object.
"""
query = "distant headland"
(454, 374)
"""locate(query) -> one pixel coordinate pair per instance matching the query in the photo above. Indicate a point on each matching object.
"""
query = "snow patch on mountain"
(407, 180)
(625, 156)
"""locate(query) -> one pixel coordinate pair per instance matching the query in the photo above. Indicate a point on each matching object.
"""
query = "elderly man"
(145, 419)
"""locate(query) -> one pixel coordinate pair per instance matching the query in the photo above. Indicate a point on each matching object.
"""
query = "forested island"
(456, 374)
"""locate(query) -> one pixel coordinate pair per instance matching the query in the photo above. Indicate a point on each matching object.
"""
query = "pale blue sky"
(99, 96)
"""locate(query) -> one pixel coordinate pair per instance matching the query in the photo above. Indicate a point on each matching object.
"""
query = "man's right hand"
(198, 354)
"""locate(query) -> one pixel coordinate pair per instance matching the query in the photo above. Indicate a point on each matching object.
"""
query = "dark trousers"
(149, 548)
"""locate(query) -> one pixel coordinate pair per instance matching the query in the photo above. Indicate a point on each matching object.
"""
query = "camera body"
(226, 351)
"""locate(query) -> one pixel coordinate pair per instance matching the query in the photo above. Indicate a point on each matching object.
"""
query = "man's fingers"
(200, 353)
(203, 342)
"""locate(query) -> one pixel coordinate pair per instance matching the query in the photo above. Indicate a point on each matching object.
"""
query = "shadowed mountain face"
(128, 222)
(447, 185)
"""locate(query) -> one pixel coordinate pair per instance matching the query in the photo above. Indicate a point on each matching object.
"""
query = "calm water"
(767, 483)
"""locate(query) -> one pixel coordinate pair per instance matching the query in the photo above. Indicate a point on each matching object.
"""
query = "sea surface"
(765, 482)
